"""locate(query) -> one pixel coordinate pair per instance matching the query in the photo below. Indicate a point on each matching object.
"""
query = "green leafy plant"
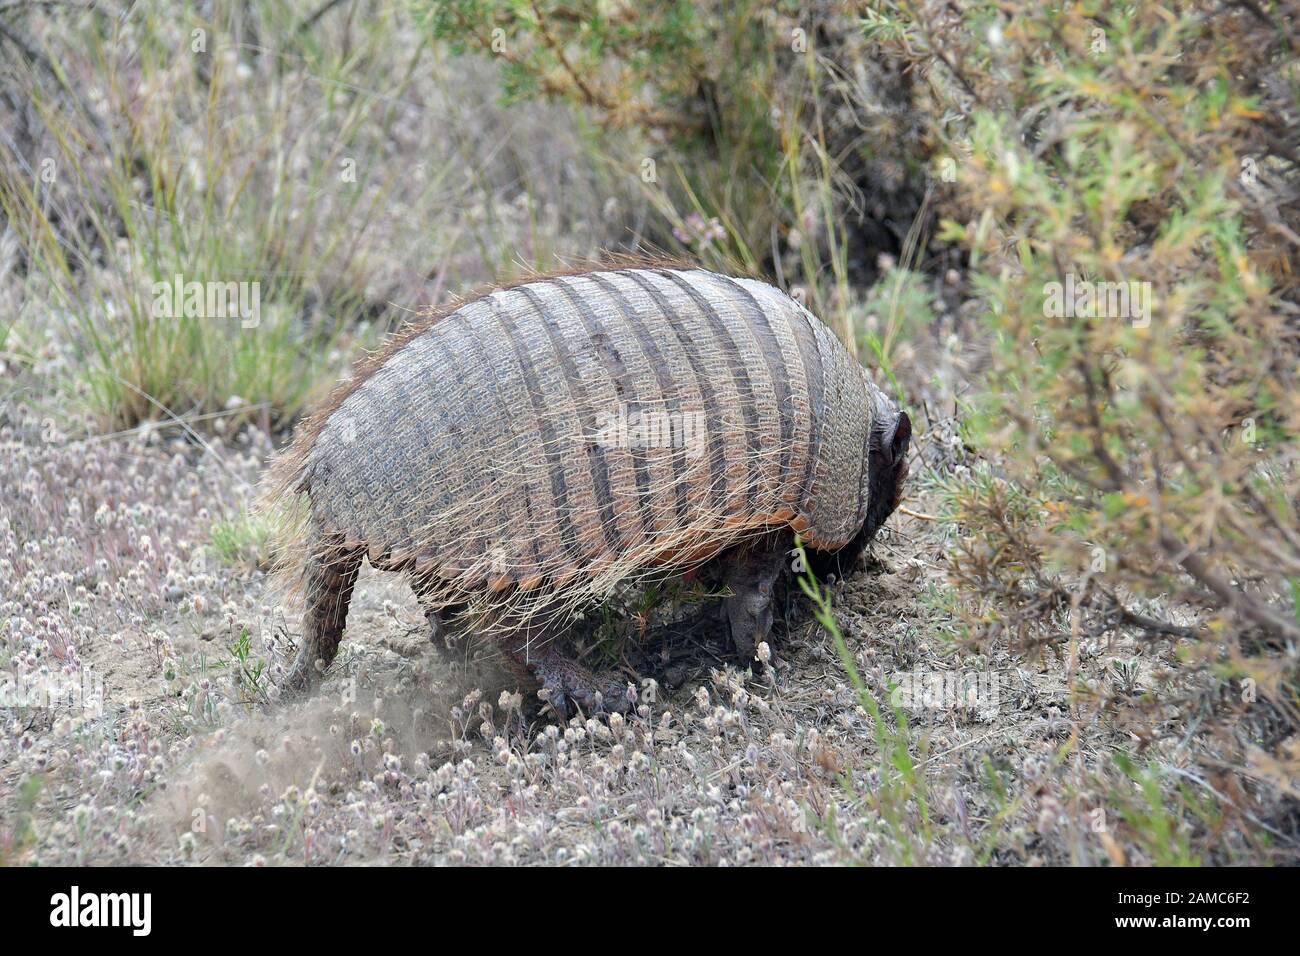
(242, 541)
(249, 673)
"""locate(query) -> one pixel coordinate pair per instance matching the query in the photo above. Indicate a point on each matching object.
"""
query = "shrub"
(1124, 182)
(766, 141)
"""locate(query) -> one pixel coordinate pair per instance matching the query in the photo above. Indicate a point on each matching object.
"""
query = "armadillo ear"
(902, 437)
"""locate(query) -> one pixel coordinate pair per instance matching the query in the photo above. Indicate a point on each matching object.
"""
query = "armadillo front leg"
(751, 579)
(330, 578)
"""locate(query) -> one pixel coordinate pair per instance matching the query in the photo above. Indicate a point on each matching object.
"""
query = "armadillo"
(523, 453)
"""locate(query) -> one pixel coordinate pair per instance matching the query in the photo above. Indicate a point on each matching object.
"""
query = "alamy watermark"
(81, 693)
(176, 298)
(75, 908)
(651, 428)
(945, 690)
(1106, 300)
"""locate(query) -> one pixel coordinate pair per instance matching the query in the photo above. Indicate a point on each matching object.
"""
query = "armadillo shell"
(614, 420)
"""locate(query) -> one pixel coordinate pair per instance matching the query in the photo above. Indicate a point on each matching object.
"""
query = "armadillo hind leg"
(751, 578)
(530, 654)
(330, 578)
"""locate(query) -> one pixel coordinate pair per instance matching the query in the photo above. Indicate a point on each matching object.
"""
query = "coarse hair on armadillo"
(474, 449)
(300, 547)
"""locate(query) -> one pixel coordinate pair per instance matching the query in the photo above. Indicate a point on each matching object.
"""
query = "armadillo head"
(886, 471)
(888, 437)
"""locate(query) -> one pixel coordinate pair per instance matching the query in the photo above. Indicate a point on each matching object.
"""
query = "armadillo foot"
(297, 681)
(751, 577)
(305, 674)
(566, 684)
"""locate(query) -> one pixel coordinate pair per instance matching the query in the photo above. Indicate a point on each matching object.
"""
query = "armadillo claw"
(297, 681)
(554, 697)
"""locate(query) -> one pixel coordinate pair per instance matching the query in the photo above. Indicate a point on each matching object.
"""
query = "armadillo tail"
(328, 578)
